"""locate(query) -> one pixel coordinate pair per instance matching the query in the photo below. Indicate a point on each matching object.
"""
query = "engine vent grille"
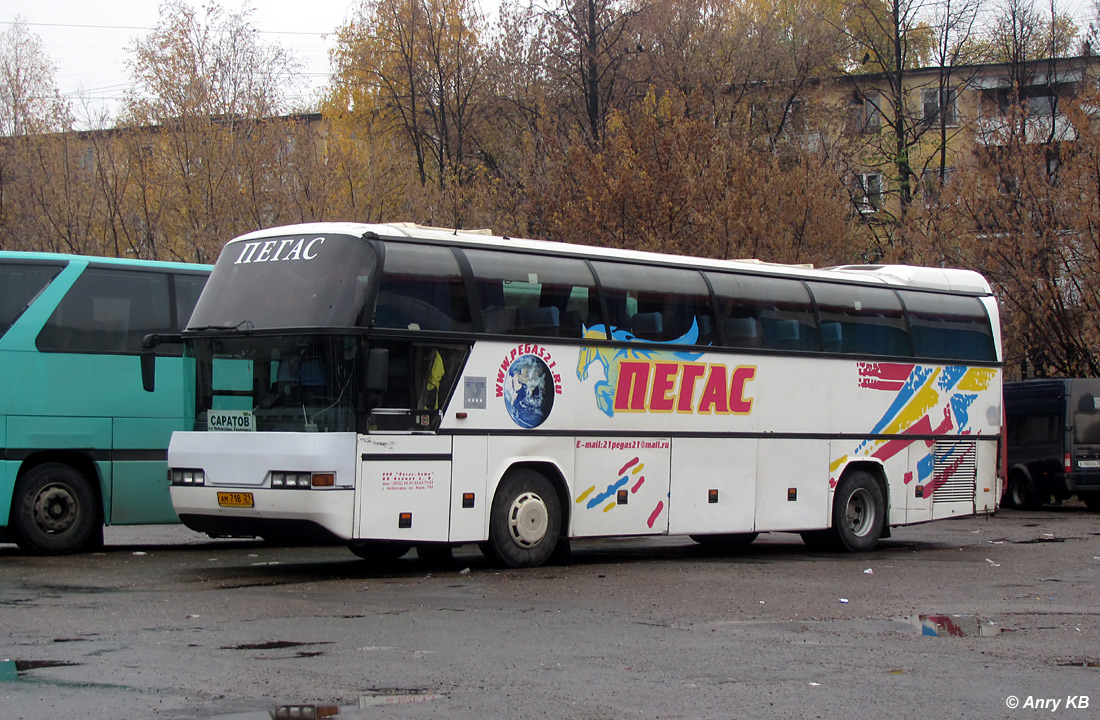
(954, 471)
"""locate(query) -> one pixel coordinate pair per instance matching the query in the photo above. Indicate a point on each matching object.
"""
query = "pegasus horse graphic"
(610, 357)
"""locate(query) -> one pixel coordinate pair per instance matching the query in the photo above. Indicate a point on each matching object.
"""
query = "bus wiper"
(246, 325)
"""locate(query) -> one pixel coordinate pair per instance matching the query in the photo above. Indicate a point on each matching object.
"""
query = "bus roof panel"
(951, 280)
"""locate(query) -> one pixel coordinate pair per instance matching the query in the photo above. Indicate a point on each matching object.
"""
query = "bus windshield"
(291, 281)
(288, 383)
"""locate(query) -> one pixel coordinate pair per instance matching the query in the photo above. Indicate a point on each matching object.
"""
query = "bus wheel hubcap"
(861, 512)
(528, 520)
(54, 509)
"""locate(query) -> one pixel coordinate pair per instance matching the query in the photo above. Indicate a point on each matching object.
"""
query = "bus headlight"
(290, 480)
(183, 476)
(281, 479)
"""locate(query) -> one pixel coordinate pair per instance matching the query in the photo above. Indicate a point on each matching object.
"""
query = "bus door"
(621, 486)
(403, 488)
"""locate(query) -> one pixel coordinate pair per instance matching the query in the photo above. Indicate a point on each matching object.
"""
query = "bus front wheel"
(525, 520)
(53, 510)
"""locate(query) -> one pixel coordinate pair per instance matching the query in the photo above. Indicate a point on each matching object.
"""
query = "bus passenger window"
(108, 311)
(20, 284)
(764, 312)
(657, 304)
(951, 327)
(861, 320)
(535, 295)
(421, 289)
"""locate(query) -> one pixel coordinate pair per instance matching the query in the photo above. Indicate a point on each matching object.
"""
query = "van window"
(1086, 422)
(1034, 429)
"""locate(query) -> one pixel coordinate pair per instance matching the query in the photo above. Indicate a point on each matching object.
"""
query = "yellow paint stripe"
(923, 400)
(609, 507)
(586, 493)
(638, 469)
(977, 379)
(837, 463)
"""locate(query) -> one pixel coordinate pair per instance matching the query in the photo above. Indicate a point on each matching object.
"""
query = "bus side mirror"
(149, 345)
(378, 369)
(149, 362)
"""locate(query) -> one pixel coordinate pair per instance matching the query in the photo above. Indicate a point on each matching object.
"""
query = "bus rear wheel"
(859, 516)
(859, 512)
(525, 520)
(53, 510)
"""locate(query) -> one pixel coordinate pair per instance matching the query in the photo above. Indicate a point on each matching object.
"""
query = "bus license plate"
(235, 499)
(1088, 463)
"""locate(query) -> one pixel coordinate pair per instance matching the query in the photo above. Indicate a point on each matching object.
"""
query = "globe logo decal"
(529, 391)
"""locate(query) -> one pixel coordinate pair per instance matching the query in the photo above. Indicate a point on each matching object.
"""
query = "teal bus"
(81, 444)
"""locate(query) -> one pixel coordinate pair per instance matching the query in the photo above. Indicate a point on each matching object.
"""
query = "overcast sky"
(89, 41)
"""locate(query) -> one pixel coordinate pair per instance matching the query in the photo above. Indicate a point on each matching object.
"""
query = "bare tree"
(954, 23)
(588, 43)
(29, 98)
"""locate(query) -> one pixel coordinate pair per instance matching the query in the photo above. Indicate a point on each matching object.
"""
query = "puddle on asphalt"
(11, 670)
(272, 645)
(956, 625)
(373, 698)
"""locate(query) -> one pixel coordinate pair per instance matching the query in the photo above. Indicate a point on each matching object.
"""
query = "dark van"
(1053, 441)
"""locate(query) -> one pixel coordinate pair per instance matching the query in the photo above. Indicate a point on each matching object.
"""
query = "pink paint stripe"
(884, 376)
(656, 512)
(629, 465)
(638, 484)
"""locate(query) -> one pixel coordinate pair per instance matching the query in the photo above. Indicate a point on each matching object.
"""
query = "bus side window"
(188, 288)
(108, 311)
(658, 304)
(537, 295)
(764, 312)
(20, 284)
(949, 326)
(860, 319)
(421, 289)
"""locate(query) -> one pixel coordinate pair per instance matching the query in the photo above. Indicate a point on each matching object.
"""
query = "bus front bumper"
(305, 515)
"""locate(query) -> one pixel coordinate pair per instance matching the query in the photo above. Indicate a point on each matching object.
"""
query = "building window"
(867, 191)
(1041, 105)
(931, 187)
(865, 113)
(934, 102)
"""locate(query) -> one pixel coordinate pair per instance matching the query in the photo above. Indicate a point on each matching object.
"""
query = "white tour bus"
(397, 385)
